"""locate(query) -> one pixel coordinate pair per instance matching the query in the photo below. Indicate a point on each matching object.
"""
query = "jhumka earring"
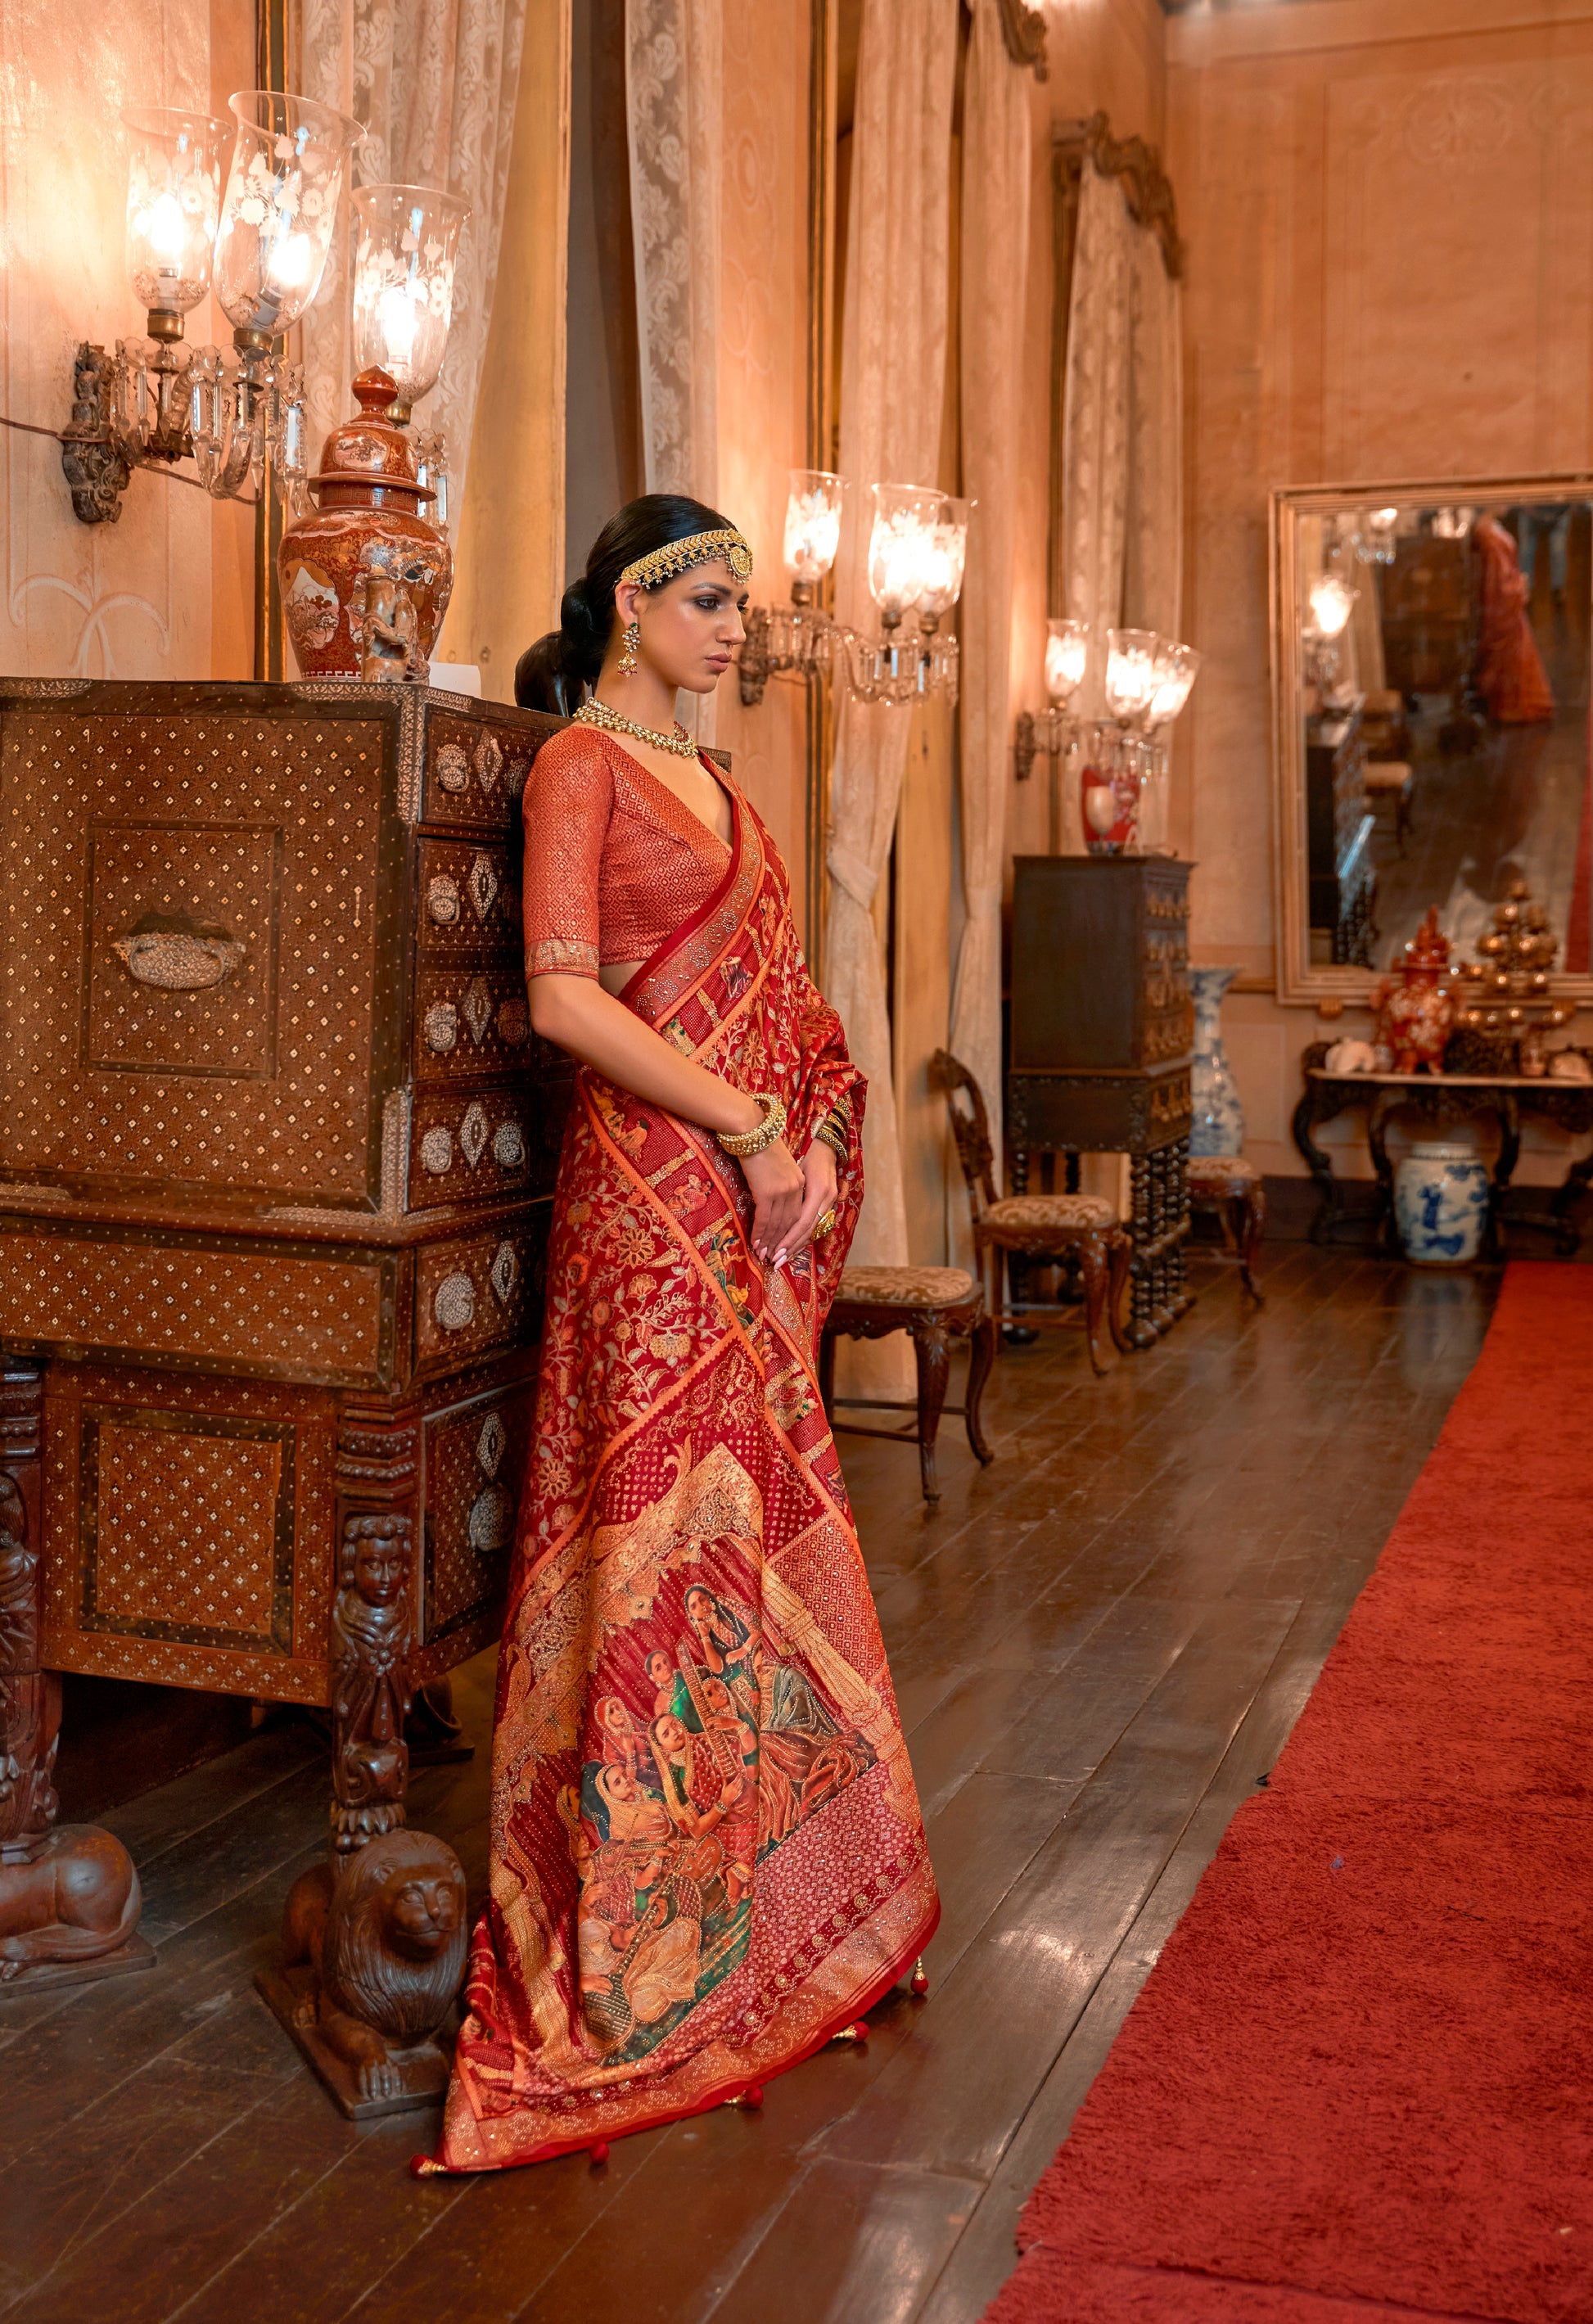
(631, 639)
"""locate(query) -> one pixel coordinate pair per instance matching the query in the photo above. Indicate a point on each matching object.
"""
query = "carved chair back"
(970, 1127)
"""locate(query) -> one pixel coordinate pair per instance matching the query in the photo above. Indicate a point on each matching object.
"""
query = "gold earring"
(631, 639)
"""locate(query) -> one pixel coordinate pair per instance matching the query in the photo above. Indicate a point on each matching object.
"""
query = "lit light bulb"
(1333, 601)
(396, 321)
(1067, 656)
(165, 231)
(289, 262)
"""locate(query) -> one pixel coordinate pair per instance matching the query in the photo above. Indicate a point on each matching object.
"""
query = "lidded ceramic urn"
(365, 576)
(1416, 1016)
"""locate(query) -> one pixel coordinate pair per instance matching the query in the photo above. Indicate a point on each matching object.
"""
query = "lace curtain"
(995, 269)
(1152, 549)
(892, 384)
(433, 83)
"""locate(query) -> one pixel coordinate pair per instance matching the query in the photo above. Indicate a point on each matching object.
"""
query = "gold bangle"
(744, 1143)
(826, 1134)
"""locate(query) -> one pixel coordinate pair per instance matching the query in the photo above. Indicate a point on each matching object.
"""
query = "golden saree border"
(707, 1854)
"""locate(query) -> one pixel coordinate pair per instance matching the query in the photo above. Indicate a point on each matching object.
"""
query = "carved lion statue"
(385, 1939)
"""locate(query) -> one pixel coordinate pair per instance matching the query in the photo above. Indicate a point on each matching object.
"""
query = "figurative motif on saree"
(707, 1855)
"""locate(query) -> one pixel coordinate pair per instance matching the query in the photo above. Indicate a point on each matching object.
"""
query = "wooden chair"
(1047, 1230)
(1231, 1188)
(935, 1304)
(1390, 783)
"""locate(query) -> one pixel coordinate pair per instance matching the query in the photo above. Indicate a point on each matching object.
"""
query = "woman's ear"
(626, 596)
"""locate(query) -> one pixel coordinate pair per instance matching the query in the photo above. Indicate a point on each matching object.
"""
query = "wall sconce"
(917, 549)
(406, 250)
(1124, 774)
(1330, 602)
(262, 244)
(796, 636)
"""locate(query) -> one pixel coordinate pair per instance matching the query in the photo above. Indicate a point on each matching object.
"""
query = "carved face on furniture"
(374, 1558)
(395, 1943)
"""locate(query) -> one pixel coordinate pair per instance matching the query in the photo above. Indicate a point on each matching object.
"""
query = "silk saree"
(707, 1851)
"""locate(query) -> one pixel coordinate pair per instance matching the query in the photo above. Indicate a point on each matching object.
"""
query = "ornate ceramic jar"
(365, 577)
(1218, 1126)
(1441, 1203)
(1416, 1016)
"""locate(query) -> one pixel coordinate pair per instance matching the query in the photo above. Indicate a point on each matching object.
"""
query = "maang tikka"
(631, 641)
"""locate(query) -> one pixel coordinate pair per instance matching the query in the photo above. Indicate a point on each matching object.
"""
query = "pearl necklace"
(614, 722)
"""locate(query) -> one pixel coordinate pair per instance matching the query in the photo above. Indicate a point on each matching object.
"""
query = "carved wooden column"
(374, 1941)
(69, 1898)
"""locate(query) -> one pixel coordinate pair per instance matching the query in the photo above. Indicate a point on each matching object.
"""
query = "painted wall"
(1389, 220)
(164, 593)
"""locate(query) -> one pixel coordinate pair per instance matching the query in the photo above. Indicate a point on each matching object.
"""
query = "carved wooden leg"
(1122, 1253)
(1249, 1226)
(374, 1941)
(930, 1348)
(1093, 1266)
(982, 1356)
(69, 1898)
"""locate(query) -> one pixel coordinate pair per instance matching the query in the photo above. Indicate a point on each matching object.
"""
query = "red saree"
(1510, 673)
(706, 1852)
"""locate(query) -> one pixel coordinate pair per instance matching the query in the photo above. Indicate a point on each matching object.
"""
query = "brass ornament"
(662, 564)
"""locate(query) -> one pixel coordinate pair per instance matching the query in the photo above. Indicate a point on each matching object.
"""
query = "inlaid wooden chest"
(276, 1149)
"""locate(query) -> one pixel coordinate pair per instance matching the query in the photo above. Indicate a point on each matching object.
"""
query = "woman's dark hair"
(552, 674)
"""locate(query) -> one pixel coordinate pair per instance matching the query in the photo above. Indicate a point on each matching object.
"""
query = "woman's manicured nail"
(780, 1258)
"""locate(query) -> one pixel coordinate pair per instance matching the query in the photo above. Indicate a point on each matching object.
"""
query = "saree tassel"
(421, 2166)
(749, 2099)
(857, 2032)
(600, 2153)
(919, 1981)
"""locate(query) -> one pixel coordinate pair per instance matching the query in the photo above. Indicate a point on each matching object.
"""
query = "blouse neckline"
(714, 773)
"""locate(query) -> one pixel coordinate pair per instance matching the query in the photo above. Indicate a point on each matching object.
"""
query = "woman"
(683, 1521)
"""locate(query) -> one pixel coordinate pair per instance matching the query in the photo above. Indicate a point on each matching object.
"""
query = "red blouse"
(614, 861)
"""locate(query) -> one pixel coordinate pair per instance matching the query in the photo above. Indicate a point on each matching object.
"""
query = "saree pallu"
(707, 1851)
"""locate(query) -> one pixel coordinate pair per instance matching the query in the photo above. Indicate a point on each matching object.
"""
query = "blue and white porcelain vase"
(1441, 1203)
(1219, 1123)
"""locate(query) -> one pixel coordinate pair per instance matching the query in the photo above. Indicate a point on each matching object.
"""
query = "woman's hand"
(780, 1190)
(821, 1180)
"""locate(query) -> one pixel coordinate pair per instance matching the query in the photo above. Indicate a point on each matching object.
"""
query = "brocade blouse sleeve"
(567, 801)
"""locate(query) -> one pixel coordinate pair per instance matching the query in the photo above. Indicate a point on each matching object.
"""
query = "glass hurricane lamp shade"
(1332, 602)
(174, 164)
(1067, 658)
(1178, 668)
(901, 547)
(813, 528)
(406, 248)
(945, 553)
(1130, 673)
(279, 211)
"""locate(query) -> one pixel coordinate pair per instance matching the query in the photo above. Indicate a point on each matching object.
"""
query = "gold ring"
(823, 1226)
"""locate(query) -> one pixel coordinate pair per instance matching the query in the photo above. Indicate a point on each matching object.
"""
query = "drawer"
(477, 1292)
(470, 1021)
(469, 899)
(270, 1310)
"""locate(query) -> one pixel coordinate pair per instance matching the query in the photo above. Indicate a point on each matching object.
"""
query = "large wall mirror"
(1431, 654)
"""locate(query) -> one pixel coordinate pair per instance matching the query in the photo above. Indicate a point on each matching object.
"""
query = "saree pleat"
(707, 1851)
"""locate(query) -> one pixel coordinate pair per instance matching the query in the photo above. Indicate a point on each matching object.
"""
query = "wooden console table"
(277, 1145)
(1507, 1100)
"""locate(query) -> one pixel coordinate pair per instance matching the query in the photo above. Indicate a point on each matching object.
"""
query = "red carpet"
(1359, 2084)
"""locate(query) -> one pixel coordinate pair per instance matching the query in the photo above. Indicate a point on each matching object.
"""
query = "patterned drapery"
(434, 84)
(892, 385)
(673, 100)
(995, 242)
(1122, 430)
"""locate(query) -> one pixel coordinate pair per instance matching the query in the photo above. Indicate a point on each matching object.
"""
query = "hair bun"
(579, 620)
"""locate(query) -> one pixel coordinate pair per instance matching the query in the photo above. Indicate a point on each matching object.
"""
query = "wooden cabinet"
(277, 1146)
(1101, 1033)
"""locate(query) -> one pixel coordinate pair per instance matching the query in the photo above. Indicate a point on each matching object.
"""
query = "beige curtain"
(434, 84)
(994, 282)
(1096, 421)
(1153, 552)
(674, 104)
(892, 384)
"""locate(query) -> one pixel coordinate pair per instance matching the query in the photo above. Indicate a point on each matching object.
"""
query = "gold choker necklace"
(614, 722)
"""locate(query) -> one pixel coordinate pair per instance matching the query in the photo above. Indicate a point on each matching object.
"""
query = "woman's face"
(690, 627)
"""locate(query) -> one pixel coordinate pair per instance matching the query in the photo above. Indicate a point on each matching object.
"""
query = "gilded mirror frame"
(1297, 983)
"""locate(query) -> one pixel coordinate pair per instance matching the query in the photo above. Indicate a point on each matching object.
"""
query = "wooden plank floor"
(1100, 1644)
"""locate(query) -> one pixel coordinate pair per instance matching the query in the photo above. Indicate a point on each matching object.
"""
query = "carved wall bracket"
(94, 467)
(1024, 31)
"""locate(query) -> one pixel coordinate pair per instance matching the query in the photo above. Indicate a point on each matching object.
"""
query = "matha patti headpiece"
(697, 548)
